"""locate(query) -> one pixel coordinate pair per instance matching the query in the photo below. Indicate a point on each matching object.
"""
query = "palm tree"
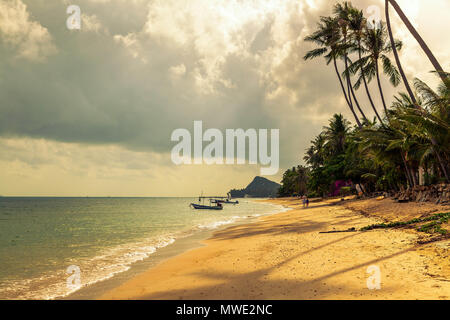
(418, 38)
(439, 70)
(315, 154)
(430, 123)
(357, 24)
(336, 133)
(375, 44)
(342, 12)
(302, 180)
(327, 38)
(387, 145)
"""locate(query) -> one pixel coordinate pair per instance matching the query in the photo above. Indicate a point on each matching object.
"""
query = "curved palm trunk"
(367, 87)
(381, 89)
(399, 65)
(345, 94)
(349, 85)
(356, 100)
(418, 38)
(340, 81)
(397, 59)
(350, 89)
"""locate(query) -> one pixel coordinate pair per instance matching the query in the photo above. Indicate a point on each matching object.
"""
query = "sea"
(50, 248)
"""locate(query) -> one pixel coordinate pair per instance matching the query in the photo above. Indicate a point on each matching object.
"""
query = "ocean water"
(43, 240)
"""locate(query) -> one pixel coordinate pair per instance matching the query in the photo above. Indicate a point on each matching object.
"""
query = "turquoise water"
(40, 238)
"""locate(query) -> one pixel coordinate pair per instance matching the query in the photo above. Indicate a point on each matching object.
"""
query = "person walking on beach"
(307, 201)
(304, 201)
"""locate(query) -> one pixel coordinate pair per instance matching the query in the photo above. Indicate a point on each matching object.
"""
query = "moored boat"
(218, 206)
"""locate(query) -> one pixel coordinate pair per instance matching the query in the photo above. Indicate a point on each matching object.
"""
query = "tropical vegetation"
(407, 143)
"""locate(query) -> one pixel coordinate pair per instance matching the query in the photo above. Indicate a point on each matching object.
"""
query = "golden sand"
(284, 256)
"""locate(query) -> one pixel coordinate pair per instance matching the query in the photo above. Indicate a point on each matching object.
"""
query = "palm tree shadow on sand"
(257, 285)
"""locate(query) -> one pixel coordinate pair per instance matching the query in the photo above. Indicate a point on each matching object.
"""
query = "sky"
(90, 112)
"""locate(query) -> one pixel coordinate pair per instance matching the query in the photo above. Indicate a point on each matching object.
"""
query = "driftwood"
(339, 231)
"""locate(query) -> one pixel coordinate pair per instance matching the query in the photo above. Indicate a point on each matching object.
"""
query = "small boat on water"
(218, 206)
(215, 203)
(225, 201)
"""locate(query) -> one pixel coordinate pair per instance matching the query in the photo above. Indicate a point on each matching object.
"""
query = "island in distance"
(259, 188)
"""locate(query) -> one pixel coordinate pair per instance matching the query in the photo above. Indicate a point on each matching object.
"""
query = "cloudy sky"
(91, 111)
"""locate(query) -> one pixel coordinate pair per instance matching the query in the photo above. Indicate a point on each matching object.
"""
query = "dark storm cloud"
(135, 73)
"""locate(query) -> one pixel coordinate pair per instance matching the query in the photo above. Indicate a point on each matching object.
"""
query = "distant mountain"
(259, 188)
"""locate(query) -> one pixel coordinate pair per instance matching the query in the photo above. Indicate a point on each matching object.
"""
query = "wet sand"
(284, 256)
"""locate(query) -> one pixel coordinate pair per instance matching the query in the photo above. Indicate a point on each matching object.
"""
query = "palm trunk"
(441, 163)
(350, 88)
(408, 174)
(399, 65)
(345, 94)
(419, 39)
(349, 85)
(340, 81)
(356, 100)
(416, 180)
(397, 59)
(366, 86)
(379, 87)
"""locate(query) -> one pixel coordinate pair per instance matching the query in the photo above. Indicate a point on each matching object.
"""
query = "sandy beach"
(283, 256)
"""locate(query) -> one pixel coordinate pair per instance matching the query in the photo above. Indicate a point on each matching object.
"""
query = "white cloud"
(216, 29)
(31, 40)
(178, 71)
(91, 23)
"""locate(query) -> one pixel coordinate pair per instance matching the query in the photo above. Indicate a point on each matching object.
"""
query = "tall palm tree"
(357, 24)
(397, 58)
(327, 37)
(341, 14)
(439, 70)
(376, 46)
(347, 75)
(418, 38)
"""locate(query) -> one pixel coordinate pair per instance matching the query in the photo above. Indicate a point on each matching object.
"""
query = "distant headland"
(259, 188)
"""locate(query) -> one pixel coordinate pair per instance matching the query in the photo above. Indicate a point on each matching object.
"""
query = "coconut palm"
(315, 154)
(342, 15)
(336, 133)
(439, 70)
(390, 145)
(375, 46)
(327, 37)
(357, 25)
(430, 123)
(385, 156)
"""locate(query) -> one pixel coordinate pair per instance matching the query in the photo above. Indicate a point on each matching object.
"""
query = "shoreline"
(283, 256)
(178, 246)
